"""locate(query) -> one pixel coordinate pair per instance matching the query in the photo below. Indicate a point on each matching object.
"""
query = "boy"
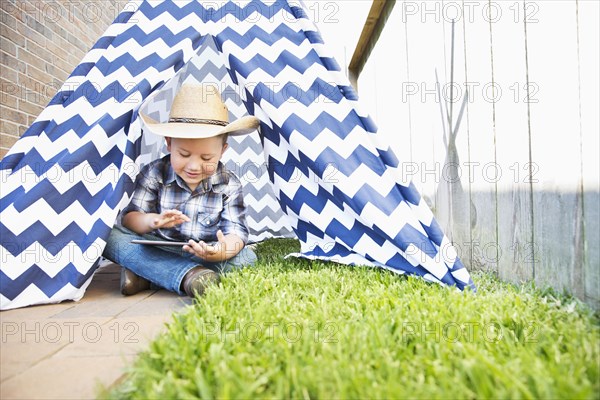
(186, 196)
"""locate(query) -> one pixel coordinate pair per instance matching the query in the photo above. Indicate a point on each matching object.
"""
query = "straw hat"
(198, 112)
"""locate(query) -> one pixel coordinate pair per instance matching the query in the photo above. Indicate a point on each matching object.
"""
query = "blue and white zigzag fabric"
(328, 177)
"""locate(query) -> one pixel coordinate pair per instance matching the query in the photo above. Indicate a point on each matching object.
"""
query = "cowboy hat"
(198, 112)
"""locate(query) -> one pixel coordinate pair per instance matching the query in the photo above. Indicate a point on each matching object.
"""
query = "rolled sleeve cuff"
(131, 207)
(240, 231)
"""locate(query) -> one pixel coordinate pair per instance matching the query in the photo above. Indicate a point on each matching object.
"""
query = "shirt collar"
(217, 182)
(169, 173)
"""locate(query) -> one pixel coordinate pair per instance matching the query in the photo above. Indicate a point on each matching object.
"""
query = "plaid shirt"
(217, 202)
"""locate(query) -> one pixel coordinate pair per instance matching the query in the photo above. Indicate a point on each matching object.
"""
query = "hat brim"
(241, 126)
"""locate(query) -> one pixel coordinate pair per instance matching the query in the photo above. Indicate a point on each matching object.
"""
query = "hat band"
(199, 121)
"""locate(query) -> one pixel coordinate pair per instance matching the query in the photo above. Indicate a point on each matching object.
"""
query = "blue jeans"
(164, 266)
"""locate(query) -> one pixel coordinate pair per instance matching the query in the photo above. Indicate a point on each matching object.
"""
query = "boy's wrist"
(151, 221)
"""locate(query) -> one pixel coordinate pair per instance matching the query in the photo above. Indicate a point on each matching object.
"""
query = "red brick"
(9, 100)
(8, 6)
(34, 91)
(22, 10)
(59, 32)
(10, 75)
(73, 8)
(8, 128)
(57, 73)
(43, 15)
(7, 141)
(38, 51)
(7, 18)
(9, 88)
(51, 69)
(30, 108)
(58, 47)
(6, 60)
(81, 26)
(8, 46)
(75, 41)
(64, 7)
(12, 35)
(31, 34)
(66, 66)
(52, 14)
(32, 22)
(13, 115)
(75, 56)
(34, 7)
(29, 58)
(39, 75)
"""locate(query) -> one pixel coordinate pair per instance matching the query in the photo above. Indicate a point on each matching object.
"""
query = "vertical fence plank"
(425, 53)
(553, 91)
(515, 240)
(589, 64)
(481, 138)
(527, 146)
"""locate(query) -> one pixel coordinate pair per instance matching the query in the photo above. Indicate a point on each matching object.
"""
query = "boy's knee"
(117, 244)
(247, 256)
(244, 258)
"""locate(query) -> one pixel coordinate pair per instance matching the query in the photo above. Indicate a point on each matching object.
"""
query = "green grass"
(298, 329)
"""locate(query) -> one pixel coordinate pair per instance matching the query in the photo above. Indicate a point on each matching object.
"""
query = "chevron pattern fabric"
(245, 154)
(318, 171)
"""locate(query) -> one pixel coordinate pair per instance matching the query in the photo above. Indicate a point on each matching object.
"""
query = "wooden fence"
(492, 107)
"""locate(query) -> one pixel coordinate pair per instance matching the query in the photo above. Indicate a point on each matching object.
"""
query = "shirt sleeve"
(146, 191)
(233, 217)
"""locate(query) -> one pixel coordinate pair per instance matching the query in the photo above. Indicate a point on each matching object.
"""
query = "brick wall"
(41, 42)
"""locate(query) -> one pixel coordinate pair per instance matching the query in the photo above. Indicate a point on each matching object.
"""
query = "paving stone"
(27, 342)
(119, 336)
(17, 358)
(103, 306)
(158, 303)
(36, 312)
(103, 299)
(71, 378)
(71, 348)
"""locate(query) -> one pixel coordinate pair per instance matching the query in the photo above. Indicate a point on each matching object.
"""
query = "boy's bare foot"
(197, 280)
(132, 283)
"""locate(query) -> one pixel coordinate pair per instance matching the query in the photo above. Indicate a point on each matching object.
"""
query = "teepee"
(316, 170)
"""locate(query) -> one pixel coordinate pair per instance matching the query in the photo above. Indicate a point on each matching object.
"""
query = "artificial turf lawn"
(289, 328)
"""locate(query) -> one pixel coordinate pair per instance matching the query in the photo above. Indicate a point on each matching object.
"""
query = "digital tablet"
(158, 242)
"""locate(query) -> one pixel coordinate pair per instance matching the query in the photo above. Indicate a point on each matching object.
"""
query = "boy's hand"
(208, 252)
(169, 219)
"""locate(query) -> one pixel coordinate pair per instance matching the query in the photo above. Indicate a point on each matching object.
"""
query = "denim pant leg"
(163, 268)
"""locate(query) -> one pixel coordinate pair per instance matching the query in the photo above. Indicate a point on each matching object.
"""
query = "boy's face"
(195, 159)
